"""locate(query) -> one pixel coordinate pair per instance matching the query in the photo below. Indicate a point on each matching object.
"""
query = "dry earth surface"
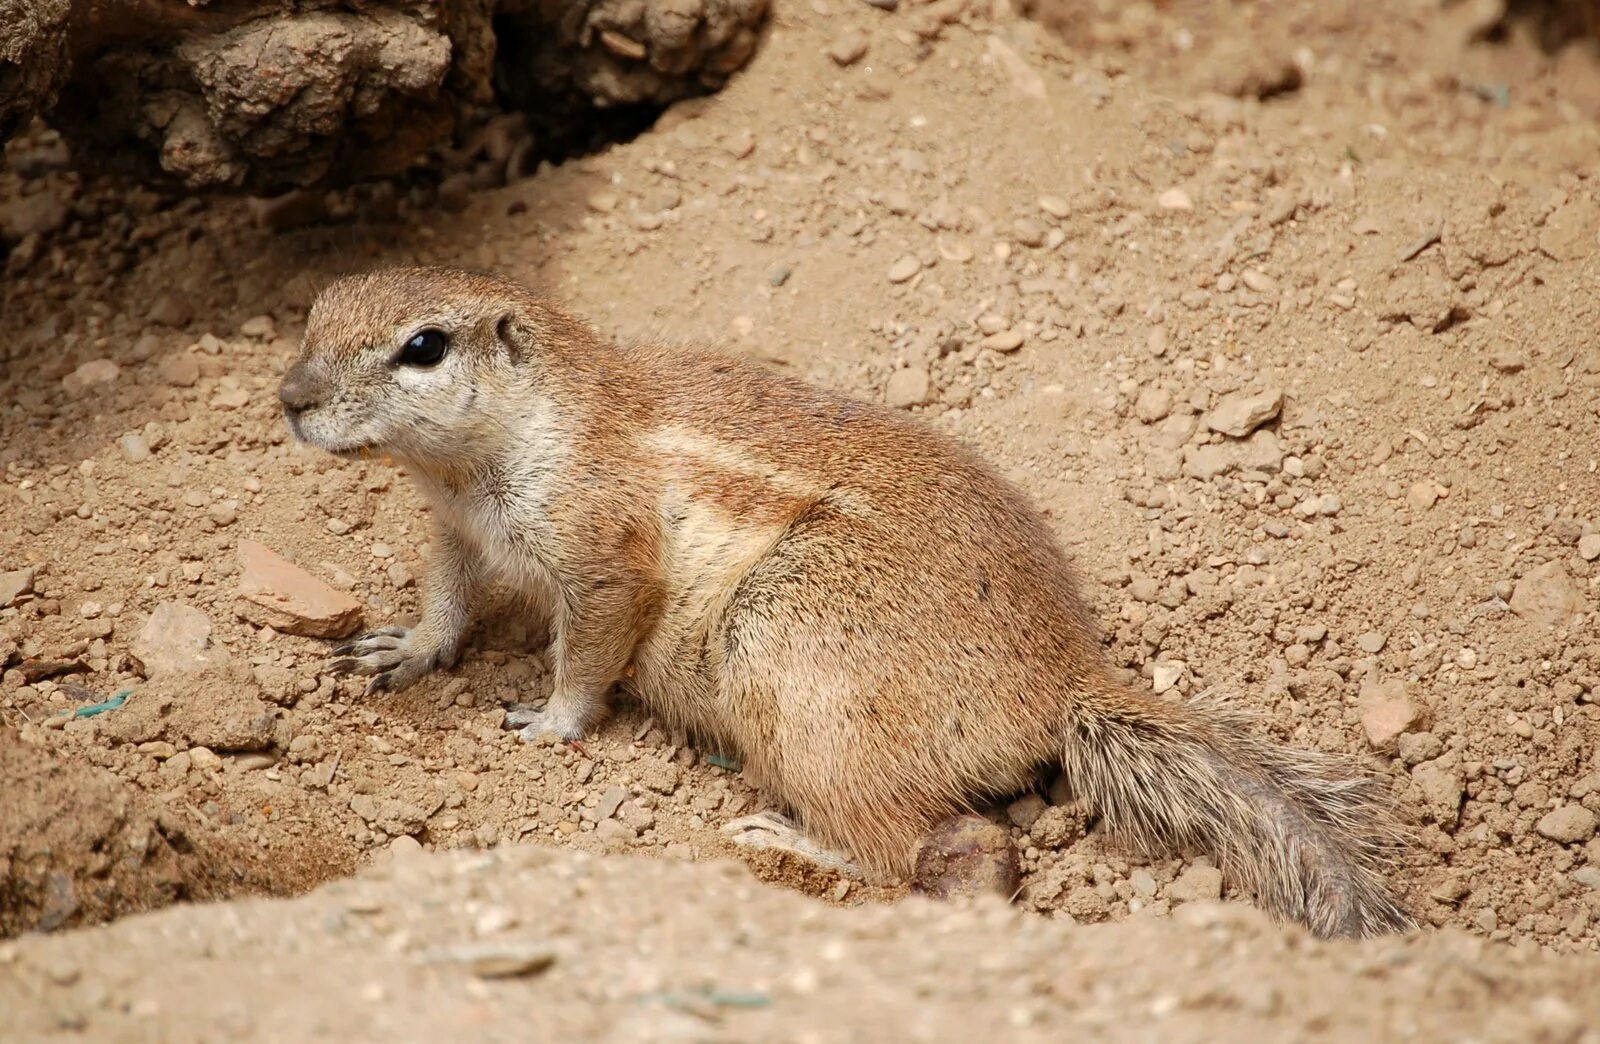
(1284, 313)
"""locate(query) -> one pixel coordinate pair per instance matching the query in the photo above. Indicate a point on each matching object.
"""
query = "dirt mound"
(525, 942)
(78, 845)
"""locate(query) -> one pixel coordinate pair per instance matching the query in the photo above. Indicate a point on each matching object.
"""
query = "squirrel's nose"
(300, 390)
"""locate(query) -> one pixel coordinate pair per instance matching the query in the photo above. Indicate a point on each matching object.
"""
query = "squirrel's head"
(398, 361)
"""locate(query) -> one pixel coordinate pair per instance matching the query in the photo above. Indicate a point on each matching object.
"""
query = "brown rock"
(1573, 232)
(1237, 414)
(967, 855)
(276, 593)
(904, 269)
(848, 49)
(1546, 596)
(177, 637)
(1197, 884)
(1508, 361)
(1005, 341)
(1058, 825)
(908, 387)
(1422, 495)
(1569, 824)
(1387, 711)
(1254, 69)
(293, 209)
(170, 309)
(1442, 790)
(219, 708)
(1025, 79)
(1260, 452)
(181, 370)
(34, 670)
(1153, 404)
(96, 371)
(37, 215)
(1026, 810)
(393, 816)
(1174, 199)
(15, 584)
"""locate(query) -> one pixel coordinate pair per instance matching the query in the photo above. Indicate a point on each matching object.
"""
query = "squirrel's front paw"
(394, 656)
(532, 723)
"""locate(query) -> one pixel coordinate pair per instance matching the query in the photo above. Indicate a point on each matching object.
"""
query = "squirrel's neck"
(518, 434)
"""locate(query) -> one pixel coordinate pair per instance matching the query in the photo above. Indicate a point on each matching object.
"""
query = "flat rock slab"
(15, 583)
(177, 637)
(276, 593)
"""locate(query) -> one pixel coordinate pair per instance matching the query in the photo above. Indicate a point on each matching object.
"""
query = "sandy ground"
(1285, 316)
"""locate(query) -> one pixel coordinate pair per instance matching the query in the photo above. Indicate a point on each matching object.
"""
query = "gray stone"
(610, 801)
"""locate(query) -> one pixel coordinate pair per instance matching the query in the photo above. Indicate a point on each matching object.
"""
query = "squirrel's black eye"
(425, 348)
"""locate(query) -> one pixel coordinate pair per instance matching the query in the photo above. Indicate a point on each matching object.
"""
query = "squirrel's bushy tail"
(1307, 833)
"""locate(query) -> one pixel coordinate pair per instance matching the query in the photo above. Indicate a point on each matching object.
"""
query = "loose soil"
(1285, 315)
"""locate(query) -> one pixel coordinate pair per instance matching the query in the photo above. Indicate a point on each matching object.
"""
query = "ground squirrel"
(880, 625)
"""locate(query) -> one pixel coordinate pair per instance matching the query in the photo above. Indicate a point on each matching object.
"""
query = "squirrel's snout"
(300, 391)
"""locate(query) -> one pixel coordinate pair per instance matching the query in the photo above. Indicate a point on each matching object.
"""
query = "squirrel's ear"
(505, 328)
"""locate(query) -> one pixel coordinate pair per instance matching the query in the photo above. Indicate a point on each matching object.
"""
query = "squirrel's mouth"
(363, 451)
(344, 451)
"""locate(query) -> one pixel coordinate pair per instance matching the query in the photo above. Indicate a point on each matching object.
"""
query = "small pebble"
(1153, 404)
(1029, 232)
(1055, 206)
(848, 49)
(203, 758)
(135, 450)
(500, 961)
(1258, 281)
(1422, 495)
(259, 327)
(1004, 341)
(180, 371)
(1175, 199)
(1197, 884)
(907, 387)
(902, 270)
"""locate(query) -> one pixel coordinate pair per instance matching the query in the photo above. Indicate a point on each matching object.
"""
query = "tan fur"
(883, 628)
